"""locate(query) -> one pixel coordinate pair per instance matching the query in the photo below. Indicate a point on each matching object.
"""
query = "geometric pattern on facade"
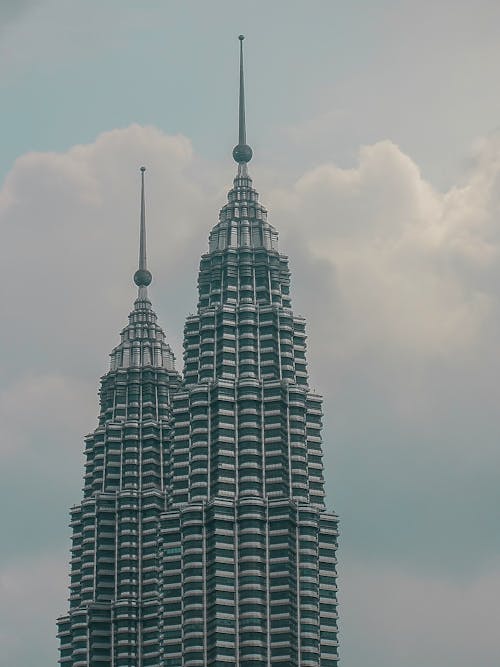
(202, 538)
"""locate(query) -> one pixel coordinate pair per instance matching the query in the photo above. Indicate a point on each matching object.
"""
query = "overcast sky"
(375, 129)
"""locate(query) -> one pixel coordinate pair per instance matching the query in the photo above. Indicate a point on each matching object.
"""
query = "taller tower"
(247, 550)
(202, 539)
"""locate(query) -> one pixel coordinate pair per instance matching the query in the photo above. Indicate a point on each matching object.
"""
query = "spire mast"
(142, 277)
(242, 153)
(242, 134)
(142, 242)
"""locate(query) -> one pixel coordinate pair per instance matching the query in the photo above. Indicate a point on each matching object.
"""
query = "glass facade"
(247, 550)
(202, 539)
(114, 586)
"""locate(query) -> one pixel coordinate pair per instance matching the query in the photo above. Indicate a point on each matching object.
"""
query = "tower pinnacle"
(242, 153)
(142, 277)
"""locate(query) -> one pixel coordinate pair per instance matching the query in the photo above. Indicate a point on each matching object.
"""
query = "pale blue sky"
(421, 73)
(395, 257)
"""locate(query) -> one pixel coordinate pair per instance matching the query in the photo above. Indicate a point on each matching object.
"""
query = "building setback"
(202, 538)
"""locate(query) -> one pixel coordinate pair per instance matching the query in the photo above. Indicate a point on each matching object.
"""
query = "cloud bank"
(399, 283)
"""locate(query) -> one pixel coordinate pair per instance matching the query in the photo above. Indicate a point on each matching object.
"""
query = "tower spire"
(142, 277)
(242, 153)
(242, 134)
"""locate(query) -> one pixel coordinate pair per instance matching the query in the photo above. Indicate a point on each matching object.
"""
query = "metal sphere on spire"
(242, 153)
(142, 278)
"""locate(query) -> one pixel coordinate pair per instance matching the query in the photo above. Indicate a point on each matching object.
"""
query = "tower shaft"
(247, 550)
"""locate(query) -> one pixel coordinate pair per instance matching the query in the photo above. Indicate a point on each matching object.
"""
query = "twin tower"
(202, 538)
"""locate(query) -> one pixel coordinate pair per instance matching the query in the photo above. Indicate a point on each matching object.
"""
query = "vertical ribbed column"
(248, 551)
(114, 589)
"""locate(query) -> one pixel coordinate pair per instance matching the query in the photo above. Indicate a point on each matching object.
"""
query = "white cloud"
(401, 254)
(70, 226)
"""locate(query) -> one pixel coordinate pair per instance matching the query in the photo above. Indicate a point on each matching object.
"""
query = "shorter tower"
(114, 605)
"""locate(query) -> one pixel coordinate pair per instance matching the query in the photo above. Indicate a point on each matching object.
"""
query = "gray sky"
(377, 152)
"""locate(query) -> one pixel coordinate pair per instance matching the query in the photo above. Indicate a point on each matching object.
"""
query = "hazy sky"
(375, 129)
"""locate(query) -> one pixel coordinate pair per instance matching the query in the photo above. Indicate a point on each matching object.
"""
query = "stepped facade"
(202, 538)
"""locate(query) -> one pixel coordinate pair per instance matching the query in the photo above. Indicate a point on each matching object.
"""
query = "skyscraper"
(202, 538)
